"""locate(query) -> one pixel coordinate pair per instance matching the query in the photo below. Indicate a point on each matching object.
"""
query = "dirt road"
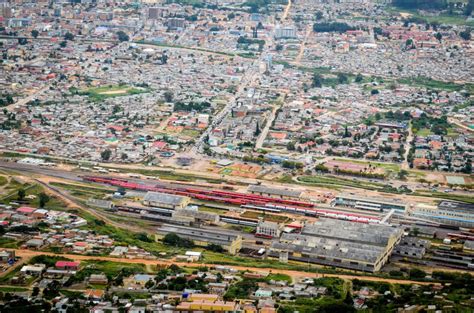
(291, 273)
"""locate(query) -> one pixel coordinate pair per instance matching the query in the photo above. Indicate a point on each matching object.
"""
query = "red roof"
(159, 144)
(25, 210)
(67, 264)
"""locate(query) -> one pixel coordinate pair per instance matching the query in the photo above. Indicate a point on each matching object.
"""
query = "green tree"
(63, 44)
(342, 78)
(290, 146)
(318, 15)
(416, 273)
(21, 194)
(168, 95)
(34, 33)
(257, 130)
(106, 154)
(43, 199)
(69, 36)
(359, 78)
(122, 36)
(465, 34)
(149, 284)
(439, 36)
(317, 81)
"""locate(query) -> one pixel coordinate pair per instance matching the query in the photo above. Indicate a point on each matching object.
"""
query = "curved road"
(294, 274)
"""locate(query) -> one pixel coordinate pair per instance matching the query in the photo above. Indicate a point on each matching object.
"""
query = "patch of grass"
(204, 208)
(170, 175)
(442, 18)
(83, 191)
(325, 181)
(424, 132)
(104, 92)
(53, 204)
(435, 84)
(12, 289)
(447, 196)
(112, 269)
(265, 216)
(9, 243)
(190, 133)
(279, 277)
(3, 180)
(388, 166)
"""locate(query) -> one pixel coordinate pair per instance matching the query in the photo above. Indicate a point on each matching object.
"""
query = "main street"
(163, 262)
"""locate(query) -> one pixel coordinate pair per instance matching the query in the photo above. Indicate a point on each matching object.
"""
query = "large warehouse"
(231, 242)
(363, 247)
(164, 200)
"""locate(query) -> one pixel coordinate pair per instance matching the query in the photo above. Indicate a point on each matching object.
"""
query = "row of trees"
(191, 106)
(327, 27)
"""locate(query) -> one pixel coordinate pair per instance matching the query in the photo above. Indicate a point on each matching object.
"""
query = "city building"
(232, 243)
(164, 200)
(268, 229)
(357, 246)
(285, 32)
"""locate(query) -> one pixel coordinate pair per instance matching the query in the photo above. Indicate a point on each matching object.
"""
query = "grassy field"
(387, 166)
(84, 191)
(265, 216)
(204, 208)
(442, 18)
(53, 204)
(424, 132)
(448, 196)
(326, 181)
(435, 84)
(104, 92)
(190, 133)
(12, 289)
(279, 277)
(3, 181)
(170, 175)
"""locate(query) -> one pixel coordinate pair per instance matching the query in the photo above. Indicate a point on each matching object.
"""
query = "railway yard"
(261, 221)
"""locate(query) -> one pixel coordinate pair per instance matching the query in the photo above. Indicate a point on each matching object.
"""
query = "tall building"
(285, 32)
(154, 13)
(175, 23)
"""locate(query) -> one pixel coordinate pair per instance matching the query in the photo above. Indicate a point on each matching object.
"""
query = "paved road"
(25, 100)
(294, 274)
(287, 11)
(263, 135)
(459, 124)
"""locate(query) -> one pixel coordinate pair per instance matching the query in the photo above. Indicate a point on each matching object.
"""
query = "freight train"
(228, 197)
(249, 201)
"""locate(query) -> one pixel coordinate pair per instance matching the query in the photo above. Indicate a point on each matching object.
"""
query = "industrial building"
(412, 247)
(372, 204)
(195, 216)
(232, 243)
(274, 192)
(363, 247)
(268, 229)
(446, 212)
(165, 200)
